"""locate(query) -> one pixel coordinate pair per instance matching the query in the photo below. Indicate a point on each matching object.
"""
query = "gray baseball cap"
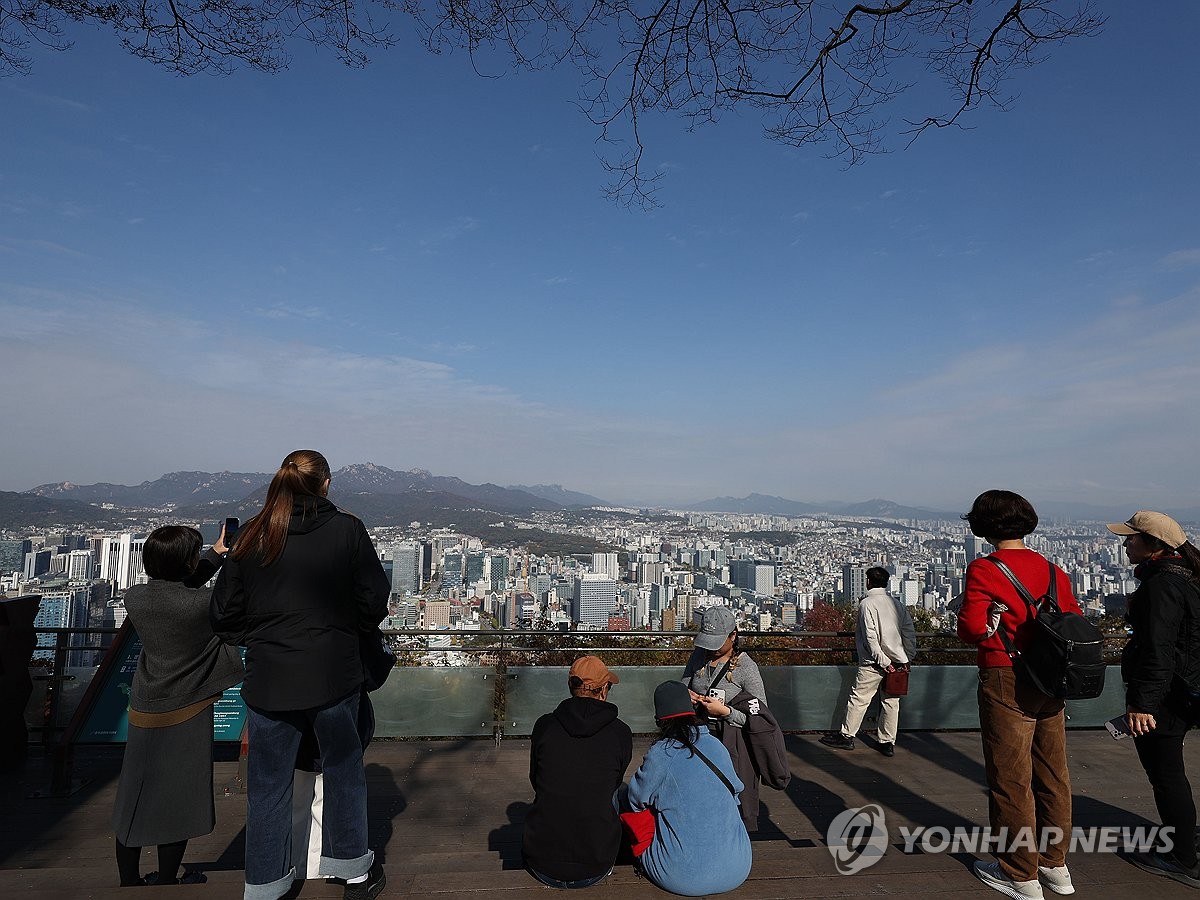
(717, 623)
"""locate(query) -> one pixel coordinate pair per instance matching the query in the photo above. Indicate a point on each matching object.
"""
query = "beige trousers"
(866, 685)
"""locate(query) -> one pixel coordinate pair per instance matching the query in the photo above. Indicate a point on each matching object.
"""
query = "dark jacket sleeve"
(535, 745)
(210, 561)
(227, 608)
(1152, 668)
(371, 585)
(626, 748)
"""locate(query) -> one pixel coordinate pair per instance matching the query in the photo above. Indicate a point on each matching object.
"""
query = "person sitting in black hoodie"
(577, 760)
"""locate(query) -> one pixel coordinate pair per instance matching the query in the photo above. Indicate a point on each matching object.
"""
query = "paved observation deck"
(446, 818)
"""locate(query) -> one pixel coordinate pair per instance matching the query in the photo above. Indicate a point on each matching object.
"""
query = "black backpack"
(1065, 656)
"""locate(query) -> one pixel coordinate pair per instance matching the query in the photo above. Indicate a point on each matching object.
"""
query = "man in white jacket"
(887, 640)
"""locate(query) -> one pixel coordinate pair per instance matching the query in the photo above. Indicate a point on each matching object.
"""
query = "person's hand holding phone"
(1139, 723)
(715, 707)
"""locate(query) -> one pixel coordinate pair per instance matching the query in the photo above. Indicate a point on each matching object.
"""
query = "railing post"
(63, 756)
(53, 701)
(500, 692)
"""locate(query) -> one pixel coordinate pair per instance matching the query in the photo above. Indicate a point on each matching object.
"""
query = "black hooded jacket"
(578, 755)
(1161, 661)
(300, 618)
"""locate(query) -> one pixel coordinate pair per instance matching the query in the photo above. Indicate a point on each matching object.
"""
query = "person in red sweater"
(1023, 731)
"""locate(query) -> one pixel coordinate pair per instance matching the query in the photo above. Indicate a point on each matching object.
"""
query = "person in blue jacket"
(700, 845)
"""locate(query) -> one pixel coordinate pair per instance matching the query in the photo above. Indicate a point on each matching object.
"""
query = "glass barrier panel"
(803, 698)
(425, 701)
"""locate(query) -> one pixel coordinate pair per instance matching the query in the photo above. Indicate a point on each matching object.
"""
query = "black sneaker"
(838, 741)
(369, 889)
(1157, 864)
(887, 749)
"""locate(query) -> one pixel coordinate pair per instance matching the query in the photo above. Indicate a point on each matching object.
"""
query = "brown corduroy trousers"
(1025, 755)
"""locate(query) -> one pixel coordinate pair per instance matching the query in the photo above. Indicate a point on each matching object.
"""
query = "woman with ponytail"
(300, 586)
(1161, 670)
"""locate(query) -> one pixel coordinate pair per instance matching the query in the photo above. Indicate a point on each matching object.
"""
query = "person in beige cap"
(577, 760)
(1161, 670)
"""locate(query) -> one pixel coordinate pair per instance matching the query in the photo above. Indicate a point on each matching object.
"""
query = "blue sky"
(413, 265)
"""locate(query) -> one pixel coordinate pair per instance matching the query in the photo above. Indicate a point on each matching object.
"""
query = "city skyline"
(411, 265)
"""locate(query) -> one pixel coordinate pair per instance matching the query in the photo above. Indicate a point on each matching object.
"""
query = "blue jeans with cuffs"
(274, 740)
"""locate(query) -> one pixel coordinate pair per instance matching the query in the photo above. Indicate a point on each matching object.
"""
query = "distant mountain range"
(379, 495)
(558, 494)
(765, 504)
(383, 496)
(172, 489)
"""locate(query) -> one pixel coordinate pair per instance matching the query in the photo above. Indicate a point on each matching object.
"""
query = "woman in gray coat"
(165, 794)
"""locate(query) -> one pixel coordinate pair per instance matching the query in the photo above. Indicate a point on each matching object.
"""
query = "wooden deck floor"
(447, 816)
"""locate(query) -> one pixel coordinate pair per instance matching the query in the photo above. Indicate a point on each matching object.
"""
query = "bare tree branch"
(818, 72)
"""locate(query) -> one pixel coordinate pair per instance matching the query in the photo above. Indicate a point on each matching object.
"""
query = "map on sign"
(106, 719)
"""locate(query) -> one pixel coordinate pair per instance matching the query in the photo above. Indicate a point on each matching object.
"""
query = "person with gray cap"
(1161, 670)
(718, 674)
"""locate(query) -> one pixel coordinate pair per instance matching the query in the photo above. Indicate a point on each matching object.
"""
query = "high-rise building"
(121, 560)
(406, 569)
(594, 599)
(539, 586)
(437, 613)
(685, 606)
(753, 575)
(606, 564)
(650, 572)
(499, 571)
(452, 572)
(854, 582)
(408, 614)
(54, 612)
(37, 563)
(660, 599)
(80, 565)
(909, 592)
(12, 555)
(975, 547)
(476, 565)
(763, 583)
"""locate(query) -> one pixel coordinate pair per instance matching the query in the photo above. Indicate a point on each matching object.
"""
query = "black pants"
(1162, 758)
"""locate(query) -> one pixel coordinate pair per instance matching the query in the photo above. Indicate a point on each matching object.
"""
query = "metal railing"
(507, 662)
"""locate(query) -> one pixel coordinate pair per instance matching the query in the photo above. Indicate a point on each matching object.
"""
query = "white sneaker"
(1058, 879)
(993, 876)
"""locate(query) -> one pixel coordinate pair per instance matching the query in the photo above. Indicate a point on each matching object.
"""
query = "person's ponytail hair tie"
(301, 475)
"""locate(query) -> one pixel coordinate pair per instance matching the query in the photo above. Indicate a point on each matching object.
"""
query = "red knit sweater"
(986, 583)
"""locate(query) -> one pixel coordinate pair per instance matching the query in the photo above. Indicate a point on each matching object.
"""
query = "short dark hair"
(1001, 516)
(878, 576)
(171, 552)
